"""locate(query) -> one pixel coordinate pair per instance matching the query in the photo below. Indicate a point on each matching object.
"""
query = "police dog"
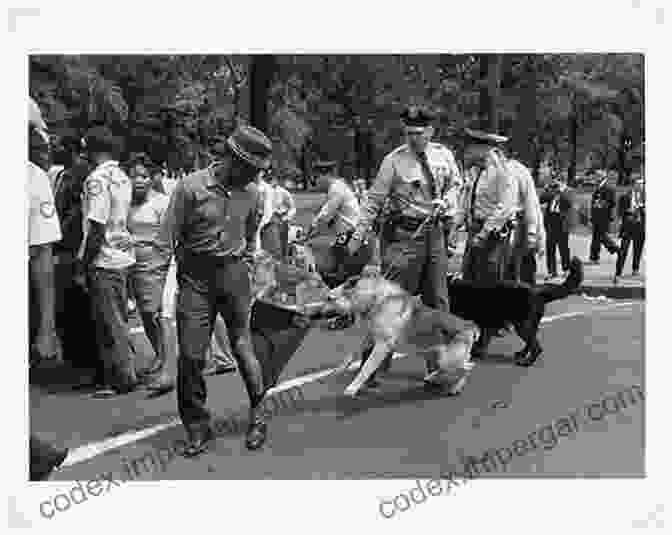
(398, 321)
(496, 306)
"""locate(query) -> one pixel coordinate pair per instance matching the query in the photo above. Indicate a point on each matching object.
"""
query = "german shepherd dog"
(497, 306)
(398, 321)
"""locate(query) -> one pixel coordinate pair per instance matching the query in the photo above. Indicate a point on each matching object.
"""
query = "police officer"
(416, 183)
(211, 224)
(529, 237)
(602, 206)
(490, 211)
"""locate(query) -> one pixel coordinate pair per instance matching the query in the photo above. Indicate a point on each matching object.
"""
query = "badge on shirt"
(94, 188)
(47, 209)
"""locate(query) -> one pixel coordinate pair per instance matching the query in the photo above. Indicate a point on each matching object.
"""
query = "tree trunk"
(261, 76)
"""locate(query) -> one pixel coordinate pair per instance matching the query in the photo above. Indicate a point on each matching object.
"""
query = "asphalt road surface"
(593, 350)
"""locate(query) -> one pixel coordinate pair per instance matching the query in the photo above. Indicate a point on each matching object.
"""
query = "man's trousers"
(635, 233)
(108, 291)
(208, 287)
(557, 238)
(601, 237)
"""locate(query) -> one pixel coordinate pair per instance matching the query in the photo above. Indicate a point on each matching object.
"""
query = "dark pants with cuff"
(631, 232)
(601, 237)
(207, 287)
(108, 292)
(557, 237)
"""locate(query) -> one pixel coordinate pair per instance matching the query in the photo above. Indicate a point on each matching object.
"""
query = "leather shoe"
(257, 433)
(199, 442)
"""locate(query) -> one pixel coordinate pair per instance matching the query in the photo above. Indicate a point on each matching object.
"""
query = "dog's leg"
(480, 347)
(372, 363)
(453, 364)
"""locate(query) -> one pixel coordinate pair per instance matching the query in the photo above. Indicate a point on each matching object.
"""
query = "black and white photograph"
(412, 272)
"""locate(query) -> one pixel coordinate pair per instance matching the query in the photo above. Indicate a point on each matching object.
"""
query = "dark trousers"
(419, 266)
(557, 238)
(632, 232)
(486, 263)
(601, 237)
(75, 323)
(207, 288)
(108, 292)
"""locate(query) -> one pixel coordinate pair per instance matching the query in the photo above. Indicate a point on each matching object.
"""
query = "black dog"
(493, 307)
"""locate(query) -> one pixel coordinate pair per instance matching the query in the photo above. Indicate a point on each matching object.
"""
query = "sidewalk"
(598, 278)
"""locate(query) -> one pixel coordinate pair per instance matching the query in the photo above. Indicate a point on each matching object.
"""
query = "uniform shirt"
(144, 224)
(602, 202)
(283, 202)
(495, 199)
(204, 217)
(107, 200)
(341, 206)
(401, 180)
(43, 224)
(528, 202)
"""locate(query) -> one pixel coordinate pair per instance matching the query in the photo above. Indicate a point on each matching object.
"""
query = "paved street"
(593, 345)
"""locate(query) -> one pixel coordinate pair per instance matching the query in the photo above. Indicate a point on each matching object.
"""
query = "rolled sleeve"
(98, 200)
(376, 196)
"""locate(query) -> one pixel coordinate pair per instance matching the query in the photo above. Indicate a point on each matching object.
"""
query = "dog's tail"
(553, 292)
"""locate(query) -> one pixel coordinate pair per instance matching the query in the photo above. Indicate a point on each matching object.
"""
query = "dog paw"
(531, 358)
(350, 392)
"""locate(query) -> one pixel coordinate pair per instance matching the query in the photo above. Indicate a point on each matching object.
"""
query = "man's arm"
(254, 218)
(172, 223)
(374, 200)
(291, 205)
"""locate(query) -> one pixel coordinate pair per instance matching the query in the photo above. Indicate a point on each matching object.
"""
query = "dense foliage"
(572, 111)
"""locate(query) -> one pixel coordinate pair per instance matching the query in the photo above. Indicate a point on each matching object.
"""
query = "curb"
(613, 292)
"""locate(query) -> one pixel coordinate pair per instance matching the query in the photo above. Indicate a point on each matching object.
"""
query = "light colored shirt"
(43, 224)
(527, 199)
(107, 200)
(402, 182)
(496, 198)
(342, 206)
(283, 202)
(144, 224)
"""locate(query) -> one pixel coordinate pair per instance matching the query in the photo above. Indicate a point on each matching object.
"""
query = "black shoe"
(199, 442)
(215, 367)
(257, 433)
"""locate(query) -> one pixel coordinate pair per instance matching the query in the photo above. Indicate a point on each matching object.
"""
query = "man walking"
(211, 224)
(632, 210)
(491, 203)
(418, 180)
(601, 214)
(105, 254)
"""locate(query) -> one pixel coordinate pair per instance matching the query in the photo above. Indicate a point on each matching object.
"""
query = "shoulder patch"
(47, 209)
(94, 187)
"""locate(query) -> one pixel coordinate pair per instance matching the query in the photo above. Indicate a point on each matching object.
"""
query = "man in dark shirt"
(558, 214)
(632, 211)
(211, 225)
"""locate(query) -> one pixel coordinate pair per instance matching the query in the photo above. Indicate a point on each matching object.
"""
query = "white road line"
(89, 451)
